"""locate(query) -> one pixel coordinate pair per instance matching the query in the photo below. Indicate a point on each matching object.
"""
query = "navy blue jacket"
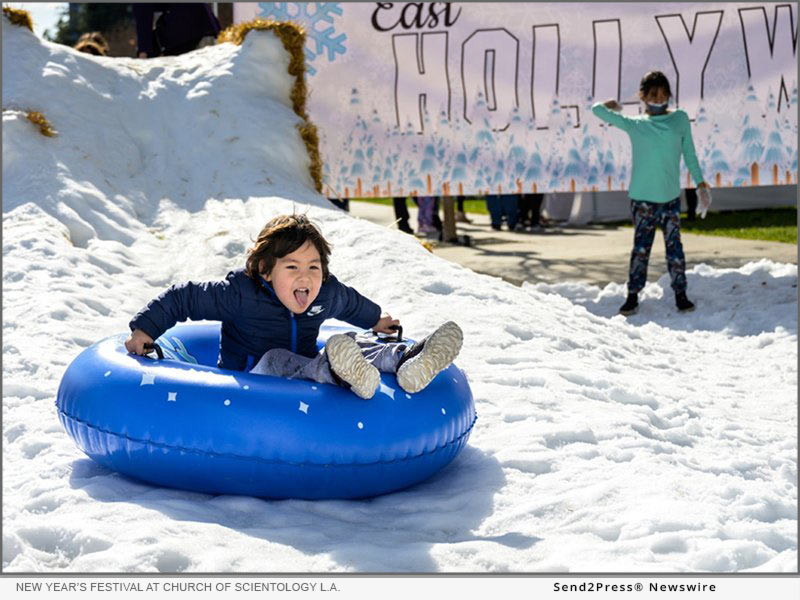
(253, 319)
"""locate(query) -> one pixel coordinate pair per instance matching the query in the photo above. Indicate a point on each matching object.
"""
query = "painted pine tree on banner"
(752, 137)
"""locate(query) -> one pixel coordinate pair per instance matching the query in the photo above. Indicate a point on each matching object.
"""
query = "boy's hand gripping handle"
(155, 347)
(399, 330)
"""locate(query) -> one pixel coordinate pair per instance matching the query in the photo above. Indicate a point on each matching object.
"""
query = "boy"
(271, 312)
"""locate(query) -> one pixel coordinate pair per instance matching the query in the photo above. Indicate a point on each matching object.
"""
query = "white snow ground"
(663, 442)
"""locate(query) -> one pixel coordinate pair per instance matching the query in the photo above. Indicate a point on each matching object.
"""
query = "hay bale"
(19, 17)
(38, 119)
(293, 38)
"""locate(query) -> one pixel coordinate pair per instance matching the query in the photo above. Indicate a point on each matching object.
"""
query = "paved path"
(596, 254)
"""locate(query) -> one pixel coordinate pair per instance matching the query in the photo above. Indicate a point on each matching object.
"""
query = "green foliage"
(766, 224)
(81, 18)
(476, 205)
(772, 225)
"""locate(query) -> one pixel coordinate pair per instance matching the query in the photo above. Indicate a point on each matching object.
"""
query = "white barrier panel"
(471, 98)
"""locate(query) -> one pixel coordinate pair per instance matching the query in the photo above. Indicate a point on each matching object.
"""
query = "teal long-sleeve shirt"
(657, 142)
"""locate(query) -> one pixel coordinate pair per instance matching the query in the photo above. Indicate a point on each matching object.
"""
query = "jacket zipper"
(294, 332)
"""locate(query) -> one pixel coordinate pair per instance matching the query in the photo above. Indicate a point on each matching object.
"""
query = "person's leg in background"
(511, 208)
(425, 215)
(670, 222)
(495, 212)
(536, 209)
(436, 219)
(691, 203)
(401, 214)
(461, 215)
(644, 224)
(524, 205)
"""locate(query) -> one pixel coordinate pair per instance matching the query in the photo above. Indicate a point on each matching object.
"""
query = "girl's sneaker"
(426, 359)
(348, 363)
(631, 305)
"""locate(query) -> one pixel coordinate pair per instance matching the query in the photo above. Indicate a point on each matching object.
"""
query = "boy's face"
(297, 277)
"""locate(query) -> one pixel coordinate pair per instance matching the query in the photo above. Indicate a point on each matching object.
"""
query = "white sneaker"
(349, 364)
(427, 359)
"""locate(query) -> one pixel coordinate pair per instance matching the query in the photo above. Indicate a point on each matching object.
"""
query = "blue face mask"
(657, 109)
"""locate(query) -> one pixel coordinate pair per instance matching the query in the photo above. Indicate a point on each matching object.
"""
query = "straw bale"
(19, 17)
(293, 38)
(39, 120)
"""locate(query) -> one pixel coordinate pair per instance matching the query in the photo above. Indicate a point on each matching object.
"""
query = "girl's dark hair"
(281, 236)
(655, 80)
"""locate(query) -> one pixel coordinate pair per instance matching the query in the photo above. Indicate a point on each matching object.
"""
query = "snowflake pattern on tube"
(317, 19)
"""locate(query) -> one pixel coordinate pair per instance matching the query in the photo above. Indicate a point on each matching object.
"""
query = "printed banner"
(475, 98)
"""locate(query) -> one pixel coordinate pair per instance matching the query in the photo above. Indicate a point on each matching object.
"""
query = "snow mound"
(664, 442)
(215, 123)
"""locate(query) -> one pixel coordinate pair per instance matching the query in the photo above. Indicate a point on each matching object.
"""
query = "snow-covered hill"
(664, 442)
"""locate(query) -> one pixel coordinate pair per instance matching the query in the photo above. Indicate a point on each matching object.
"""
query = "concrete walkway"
(596, 254)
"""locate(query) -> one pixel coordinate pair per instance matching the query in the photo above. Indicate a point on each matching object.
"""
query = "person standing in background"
(659, 138)
(179, 28)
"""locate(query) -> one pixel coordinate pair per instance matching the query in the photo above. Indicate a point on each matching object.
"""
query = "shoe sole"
(439, 351)
(349, 364)
(628, 313)
(685, 310)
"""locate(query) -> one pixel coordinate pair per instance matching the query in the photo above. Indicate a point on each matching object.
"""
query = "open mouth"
(301, 296)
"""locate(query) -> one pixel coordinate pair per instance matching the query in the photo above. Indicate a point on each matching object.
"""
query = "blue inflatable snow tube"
(181, 422)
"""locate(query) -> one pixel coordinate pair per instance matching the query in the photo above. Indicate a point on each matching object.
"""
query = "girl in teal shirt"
(658, 139)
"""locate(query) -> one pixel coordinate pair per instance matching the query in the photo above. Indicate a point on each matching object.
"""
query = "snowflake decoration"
(317, 19)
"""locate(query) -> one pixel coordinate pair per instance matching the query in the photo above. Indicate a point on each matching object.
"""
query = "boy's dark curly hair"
(281, 236)
(655, 80)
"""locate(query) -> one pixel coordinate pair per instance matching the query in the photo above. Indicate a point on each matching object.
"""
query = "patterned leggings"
(646, 217)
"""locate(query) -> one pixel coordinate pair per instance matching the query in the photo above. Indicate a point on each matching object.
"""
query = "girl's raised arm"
(609, 112)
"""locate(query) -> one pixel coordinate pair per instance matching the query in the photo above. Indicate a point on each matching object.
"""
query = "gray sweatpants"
(285, 363)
